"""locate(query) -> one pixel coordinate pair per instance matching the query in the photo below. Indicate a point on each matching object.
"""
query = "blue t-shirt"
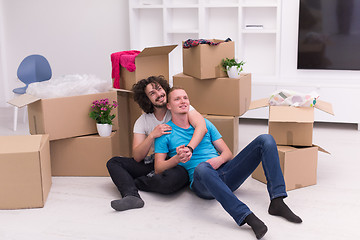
(180, 136)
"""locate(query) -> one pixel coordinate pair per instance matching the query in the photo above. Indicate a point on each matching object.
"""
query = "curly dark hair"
(139, 91)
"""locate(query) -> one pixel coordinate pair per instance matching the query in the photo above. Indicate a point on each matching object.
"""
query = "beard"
(160, 105)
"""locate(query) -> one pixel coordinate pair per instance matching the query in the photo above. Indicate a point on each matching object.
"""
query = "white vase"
(233, 72)
(104, 130)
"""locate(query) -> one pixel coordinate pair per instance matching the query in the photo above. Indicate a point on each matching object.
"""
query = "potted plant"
(232, 67)
(101, 113)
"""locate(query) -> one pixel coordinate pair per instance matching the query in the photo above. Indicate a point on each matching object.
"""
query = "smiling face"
(178, 101)
(156, 95)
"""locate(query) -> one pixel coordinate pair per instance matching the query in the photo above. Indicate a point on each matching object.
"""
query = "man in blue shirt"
(214, 173)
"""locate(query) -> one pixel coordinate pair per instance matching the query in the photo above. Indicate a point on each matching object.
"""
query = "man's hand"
(160, 130)
(215, 162)
(184, 153)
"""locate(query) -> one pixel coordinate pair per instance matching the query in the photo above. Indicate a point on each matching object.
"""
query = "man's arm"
(198, 122)
(225, 154)
(161, 164)
(142, 144)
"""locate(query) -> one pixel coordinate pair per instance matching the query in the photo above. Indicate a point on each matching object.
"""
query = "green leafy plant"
(101, 111)
(225, 63)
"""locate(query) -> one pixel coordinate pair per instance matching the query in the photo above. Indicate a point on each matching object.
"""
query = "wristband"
(190, 148)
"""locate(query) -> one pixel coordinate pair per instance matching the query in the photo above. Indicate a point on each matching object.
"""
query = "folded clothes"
(195, 42)
(125, 59)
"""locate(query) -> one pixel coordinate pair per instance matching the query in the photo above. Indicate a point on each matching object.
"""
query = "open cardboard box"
(228, 126)
(83, 156)
(128, 112)
(25, 171)
(292, 125)
(217, 96)
(63, 117)
(204, 61)
(298, 165)
(152, 61)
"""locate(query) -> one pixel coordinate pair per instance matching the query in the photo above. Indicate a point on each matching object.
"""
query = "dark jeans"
(129, 176)
(219, 184)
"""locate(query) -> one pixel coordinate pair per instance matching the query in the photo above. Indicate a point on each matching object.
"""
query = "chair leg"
(25, 114)
(16, 110)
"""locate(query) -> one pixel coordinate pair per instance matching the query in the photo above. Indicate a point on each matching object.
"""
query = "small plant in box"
(101, 113)
(232, 67)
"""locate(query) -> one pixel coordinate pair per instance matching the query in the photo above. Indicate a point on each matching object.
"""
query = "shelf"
(258, 31)
(274, 5)
(165, 22)
(182, 31)
(147, 6)
(222, 6)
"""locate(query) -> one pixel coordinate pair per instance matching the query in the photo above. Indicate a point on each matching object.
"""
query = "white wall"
(76, 36)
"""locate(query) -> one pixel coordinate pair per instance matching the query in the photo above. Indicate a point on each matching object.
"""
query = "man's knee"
(202, 169)
(110, 163)
(116, 161)
(266, 140)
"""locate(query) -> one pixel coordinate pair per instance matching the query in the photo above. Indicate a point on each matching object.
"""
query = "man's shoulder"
(146, 116)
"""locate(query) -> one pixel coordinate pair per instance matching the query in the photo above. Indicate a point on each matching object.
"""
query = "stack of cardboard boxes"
(292, 129)
(63, 142)
(219, 98)
(152, 61)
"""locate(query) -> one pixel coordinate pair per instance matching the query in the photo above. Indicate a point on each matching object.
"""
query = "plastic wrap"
(292, 98)
(69, 85)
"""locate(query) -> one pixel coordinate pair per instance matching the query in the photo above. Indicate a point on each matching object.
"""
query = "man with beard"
(137, 173)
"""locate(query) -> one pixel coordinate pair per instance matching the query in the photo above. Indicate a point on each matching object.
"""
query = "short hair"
(173, 89)
(139, 91)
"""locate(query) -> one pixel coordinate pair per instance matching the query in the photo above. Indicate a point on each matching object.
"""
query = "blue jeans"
(219, 184)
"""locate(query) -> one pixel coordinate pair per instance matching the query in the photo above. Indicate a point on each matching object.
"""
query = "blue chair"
(34, 68)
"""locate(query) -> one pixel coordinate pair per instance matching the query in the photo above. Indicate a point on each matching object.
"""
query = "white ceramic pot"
(104, 130)
(233, 72)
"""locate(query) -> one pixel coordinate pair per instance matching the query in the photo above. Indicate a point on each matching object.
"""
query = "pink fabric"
(125, 59)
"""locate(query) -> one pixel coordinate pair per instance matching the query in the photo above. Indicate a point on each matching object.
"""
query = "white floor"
(79, 207)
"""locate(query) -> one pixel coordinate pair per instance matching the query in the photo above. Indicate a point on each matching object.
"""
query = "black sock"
(256, 224)
(279, 208)
(127, 202)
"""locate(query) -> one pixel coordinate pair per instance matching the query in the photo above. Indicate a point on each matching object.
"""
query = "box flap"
(324, 106)
(291, 114)
(23, 100)
(20, 144)
(285, 148)
(152, 51)
(321, 149)
(122, 90)
(259, 103)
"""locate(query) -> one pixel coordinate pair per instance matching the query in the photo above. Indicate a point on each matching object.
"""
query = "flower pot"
(104, 130)
(233, 72)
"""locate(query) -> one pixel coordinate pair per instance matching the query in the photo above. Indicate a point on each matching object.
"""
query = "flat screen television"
(329, 34)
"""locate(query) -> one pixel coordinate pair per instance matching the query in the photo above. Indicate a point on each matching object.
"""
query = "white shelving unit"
(164, 22)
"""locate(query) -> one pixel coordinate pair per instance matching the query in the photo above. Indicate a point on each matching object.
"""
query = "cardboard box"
(152, 61)
(63, 117)
(298, 165)
(217, 96)
(292, 125)
(83, 156)
(25, 171)
(228, 126)
(204, 61)
(128, 112)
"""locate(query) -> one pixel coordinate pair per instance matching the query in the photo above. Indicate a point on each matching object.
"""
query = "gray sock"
(126, 203)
